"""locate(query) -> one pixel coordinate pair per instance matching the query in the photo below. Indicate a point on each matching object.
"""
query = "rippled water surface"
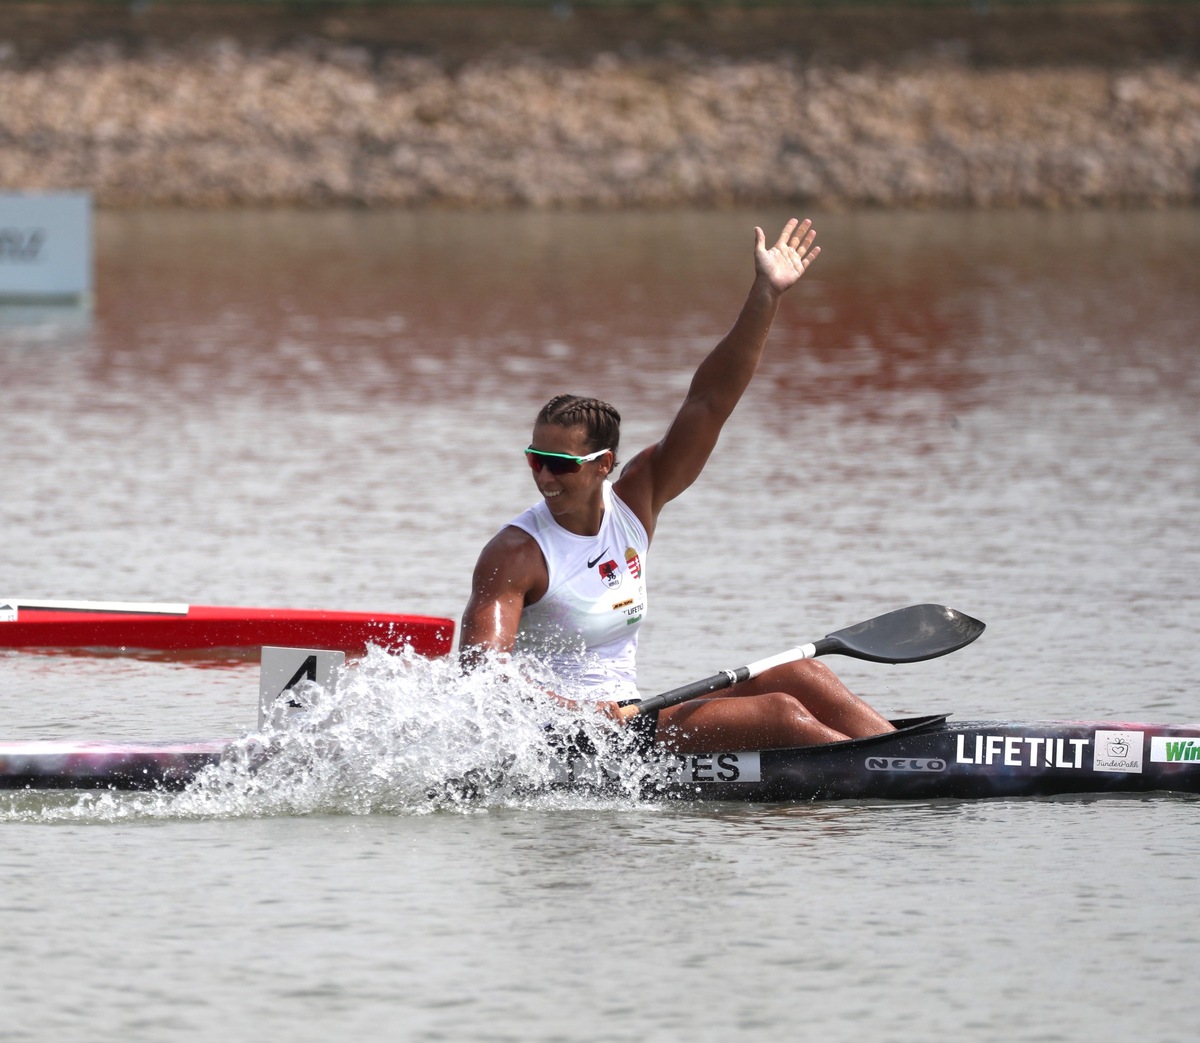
(998, 412)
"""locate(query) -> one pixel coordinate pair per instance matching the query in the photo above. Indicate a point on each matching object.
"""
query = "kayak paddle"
(907, 635)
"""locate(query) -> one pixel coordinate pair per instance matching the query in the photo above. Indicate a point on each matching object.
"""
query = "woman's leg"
(770, 721)
(797, 704)
(823, 694)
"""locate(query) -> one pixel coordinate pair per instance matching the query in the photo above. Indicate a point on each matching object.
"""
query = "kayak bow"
(151, 627)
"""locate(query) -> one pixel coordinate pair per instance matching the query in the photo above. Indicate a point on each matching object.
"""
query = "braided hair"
(601, 421)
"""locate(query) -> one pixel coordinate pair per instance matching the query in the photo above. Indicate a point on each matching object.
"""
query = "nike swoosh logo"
(595, 561)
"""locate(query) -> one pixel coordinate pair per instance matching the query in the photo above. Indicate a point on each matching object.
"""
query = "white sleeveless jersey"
(586, 624)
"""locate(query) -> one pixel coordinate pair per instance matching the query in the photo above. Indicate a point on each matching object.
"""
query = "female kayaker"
(566, 580)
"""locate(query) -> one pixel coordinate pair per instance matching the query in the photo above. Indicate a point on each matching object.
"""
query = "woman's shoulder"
(511, 558)
(511, 539)
(635, 489)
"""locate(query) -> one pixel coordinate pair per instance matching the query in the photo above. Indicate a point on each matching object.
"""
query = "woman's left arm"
(660, 473)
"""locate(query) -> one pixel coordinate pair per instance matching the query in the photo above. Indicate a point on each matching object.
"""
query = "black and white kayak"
(925, 758)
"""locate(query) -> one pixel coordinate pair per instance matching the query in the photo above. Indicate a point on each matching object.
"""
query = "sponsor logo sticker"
(1175, 749)
(688, 768)
(610, 574)
(905, 764)
(8, 612)
(1118, 751)
(1020, 751)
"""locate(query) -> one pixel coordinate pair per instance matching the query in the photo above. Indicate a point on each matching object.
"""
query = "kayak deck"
(184, 628)
(931, 758)
(926, 758)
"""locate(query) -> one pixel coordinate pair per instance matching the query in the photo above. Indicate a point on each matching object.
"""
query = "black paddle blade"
(907, 635)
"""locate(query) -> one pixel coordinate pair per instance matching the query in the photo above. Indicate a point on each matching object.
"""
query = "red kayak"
(128, 626)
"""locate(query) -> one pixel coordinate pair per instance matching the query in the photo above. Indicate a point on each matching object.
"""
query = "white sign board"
(282, 669)
(45, 246)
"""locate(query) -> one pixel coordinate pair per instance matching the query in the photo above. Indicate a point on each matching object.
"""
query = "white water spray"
(396, 734)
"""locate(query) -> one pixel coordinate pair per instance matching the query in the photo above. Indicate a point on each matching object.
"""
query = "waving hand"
(784, 263)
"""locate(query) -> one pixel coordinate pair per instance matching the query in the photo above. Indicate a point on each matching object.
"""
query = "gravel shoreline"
(221, 119)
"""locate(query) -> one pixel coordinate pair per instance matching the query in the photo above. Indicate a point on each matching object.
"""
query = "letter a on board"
(284, 668)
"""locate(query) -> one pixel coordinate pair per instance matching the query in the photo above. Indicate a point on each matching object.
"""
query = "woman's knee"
(789, 722)
(783, 708)
(800, 676)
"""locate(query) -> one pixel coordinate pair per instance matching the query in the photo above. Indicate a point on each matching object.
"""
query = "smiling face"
(575, 500)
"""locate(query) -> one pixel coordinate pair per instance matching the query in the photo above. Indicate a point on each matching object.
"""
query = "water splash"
(397, 734)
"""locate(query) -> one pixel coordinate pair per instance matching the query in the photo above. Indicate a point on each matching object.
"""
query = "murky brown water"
(993, 411)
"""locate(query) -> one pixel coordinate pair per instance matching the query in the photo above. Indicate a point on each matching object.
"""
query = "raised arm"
(660, 473)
